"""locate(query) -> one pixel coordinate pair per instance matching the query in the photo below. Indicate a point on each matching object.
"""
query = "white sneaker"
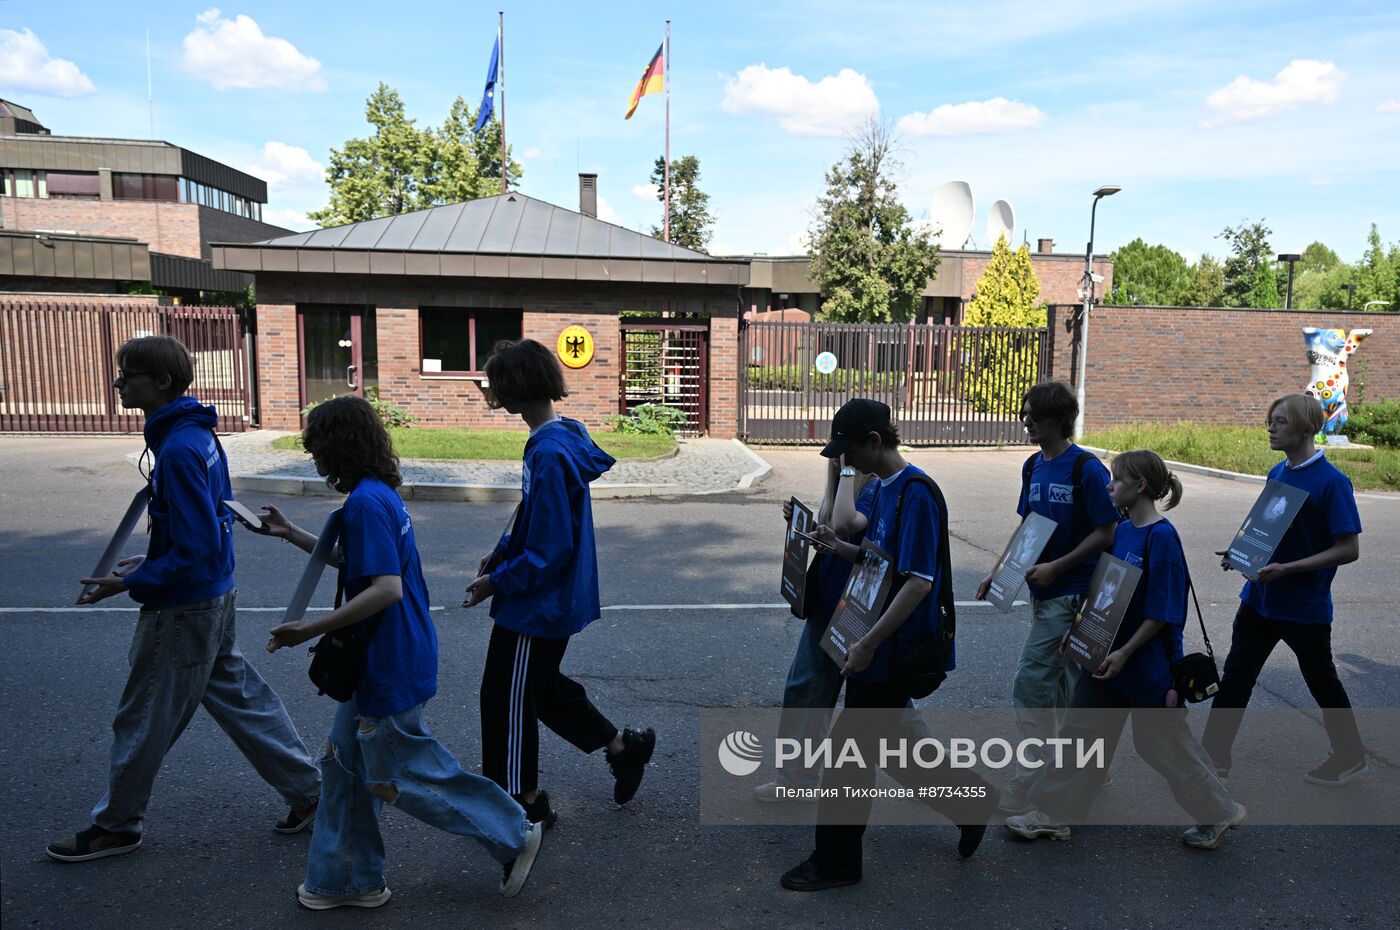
(1211, 835)
(1032, 825)
(518, 869)
(768, 792)
(324, 902)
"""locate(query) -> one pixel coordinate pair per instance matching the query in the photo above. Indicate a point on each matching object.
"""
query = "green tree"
(1322, 289)
(1251, 256)
(869, 264)
(1207, 285)
(400, 168)
(1318, 257)
(690, 206)
(1007, 295)
(1147, 275)
(1264, 294)
(1378, 274)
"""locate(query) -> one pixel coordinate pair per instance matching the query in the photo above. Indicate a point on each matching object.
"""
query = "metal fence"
(669, 364)
(945, 385)
(58, 361)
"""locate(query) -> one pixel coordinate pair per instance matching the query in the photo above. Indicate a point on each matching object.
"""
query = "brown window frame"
(471, 313)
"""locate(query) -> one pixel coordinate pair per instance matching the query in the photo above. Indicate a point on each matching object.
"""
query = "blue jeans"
(1045, 678)
(813, 684)
(182, 657)
(370, 760)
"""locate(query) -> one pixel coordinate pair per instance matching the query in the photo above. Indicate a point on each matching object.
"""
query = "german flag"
(653, 81)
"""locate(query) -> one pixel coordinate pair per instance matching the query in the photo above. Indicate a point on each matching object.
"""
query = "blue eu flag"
(488, 98)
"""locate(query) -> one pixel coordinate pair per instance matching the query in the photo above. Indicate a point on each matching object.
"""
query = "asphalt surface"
(211, 858)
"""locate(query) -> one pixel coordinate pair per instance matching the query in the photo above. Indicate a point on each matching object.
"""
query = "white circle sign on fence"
(826, 363)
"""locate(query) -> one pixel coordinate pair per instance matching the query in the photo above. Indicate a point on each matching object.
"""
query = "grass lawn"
(481, 445)
(1245, 449)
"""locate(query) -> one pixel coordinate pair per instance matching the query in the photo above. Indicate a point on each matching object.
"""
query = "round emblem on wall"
(575, 347)
(826, 363)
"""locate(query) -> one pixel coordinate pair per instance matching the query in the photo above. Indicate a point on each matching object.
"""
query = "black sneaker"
(93, 843)
(1335, 772)
(970, 837)
(539, 811)
(808, 876)
(296, 820)
(630, 765)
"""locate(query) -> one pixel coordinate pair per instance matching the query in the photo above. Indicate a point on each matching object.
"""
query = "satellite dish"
(1001, 221)
(952, 213)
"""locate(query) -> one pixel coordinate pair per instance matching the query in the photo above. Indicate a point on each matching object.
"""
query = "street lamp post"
(1288, 295)
(1351, 292)
(1087, 290)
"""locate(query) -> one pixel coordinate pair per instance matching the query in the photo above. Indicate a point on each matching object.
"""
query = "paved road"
(211, 858)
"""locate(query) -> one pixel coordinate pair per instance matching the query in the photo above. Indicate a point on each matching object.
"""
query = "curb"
(1190, 469)
(296, 486)
(758, 474)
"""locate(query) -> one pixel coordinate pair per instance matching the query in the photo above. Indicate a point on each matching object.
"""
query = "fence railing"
(945, 385)
(58, 361)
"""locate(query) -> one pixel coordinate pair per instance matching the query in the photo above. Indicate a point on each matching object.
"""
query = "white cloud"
(531, 154)
(607, 214)
(26, 65)
(647, 192)
(283, 164)
(830, 107)
(1302, 81)
(294, 220)
(799, 243)
(233, 54)
(973, 117)
(1389, 106)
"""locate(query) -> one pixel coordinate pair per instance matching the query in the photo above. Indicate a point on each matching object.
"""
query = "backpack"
(922, 669)
(1079, 528)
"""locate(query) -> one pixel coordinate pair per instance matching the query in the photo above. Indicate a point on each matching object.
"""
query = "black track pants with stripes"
(522, 687)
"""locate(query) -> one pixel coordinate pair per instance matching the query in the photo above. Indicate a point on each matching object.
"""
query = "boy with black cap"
(908, 520)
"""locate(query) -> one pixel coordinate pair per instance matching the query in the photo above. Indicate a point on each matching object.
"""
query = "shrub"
(650, 419)
(1375, 424)
(789, 378)
(391, 415)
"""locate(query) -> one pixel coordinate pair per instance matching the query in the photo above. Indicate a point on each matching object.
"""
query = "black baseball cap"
(856, 419)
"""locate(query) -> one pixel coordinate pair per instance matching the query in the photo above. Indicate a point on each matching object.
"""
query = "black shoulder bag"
(1194, 677)
(922, 669)
(338, 658)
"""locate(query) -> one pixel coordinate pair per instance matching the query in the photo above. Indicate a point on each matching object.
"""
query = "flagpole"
(666, 223)
(501, 90)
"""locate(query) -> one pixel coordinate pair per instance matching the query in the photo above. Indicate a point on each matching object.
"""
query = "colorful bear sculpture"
(1327, 360)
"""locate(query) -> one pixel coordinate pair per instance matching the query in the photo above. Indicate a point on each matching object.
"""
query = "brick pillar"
(724, 377)
(279, 391)
(396, 329)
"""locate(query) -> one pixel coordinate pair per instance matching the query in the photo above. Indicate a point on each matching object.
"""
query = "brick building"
(92, 216)
(412, 304)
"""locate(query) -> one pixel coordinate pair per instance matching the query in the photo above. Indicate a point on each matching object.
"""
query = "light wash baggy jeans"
(182, 657)
(1045, 679)
(372, 759)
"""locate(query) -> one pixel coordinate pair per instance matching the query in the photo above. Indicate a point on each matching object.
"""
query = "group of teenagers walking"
(872, 493)
(542, 581)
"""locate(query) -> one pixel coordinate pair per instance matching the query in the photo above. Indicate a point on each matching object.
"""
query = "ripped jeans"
(371, 760)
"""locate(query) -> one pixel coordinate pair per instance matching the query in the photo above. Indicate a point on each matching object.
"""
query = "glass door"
(339, 351)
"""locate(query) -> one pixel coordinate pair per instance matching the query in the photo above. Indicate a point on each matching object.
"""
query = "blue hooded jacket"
(190, 556)
(547, 581)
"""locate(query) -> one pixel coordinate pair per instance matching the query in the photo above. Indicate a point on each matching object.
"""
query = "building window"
(74, 185)
(454, 341)
(22, 182)
(126, 186)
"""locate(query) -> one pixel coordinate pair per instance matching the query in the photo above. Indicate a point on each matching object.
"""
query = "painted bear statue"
(1327, 363)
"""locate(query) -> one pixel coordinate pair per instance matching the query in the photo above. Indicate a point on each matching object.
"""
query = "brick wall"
(173, 228)
(547, 308)
(1166, 364)
(1059, 276)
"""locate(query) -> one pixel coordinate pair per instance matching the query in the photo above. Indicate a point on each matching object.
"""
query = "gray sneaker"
(1211, 835)
(518, 869)
(324, 902)
(1033, 825)
(768, 792)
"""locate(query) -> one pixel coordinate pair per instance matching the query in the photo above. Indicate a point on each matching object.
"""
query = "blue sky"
(1206, 113)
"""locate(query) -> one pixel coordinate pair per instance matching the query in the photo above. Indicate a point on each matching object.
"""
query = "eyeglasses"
(123, 376)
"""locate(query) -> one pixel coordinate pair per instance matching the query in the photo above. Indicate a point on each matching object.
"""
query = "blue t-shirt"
(835, 571)
(915, 552)
(1052, 494)
(1160, 595)
(1329, 512)
(401, 663)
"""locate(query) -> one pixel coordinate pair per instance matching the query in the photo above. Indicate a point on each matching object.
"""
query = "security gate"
(945, 385)
(58, 361)
(667, 363)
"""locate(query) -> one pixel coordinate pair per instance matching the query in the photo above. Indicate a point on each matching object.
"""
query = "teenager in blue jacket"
(544, 578)
(184, 652)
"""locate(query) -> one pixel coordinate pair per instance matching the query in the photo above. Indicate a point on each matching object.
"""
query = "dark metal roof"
(509, 235)
(49, 255)
(193, 274)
